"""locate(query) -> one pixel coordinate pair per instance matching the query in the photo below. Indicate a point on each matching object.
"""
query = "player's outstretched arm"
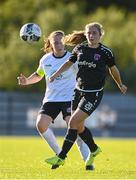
(33, 78)
(63, 68)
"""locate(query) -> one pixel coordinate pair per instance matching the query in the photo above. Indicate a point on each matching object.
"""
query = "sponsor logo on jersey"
(85, 63)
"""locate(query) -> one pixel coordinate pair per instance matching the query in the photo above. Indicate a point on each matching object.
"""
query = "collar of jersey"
(59, 56)
(93, 48)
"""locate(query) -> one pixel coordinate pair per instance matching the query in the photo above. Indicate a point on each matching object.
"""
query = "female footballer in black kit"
(93, 58)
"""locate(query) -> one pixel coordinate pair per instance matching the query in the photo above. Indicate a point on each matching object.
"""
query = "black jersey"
(92, 64)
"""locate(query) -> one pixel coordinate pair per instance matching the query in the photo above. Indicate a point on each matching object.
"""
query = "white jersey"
(61, 89)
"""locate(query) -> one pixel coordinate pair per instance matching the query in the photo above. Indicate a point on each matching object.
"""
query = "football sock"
(49, 136)
(70, 138)
(83, 148)
(87, 137)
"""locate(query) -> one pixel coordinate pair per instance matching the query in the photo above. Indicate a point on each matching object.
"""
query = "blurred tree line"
(118, 18)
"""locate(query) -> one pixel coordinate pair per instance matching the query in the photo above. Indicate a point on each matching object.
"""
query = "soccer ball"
(30, 32)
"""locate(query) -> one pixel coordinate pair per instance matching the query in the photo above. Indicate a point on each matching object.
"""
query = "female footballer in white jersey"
(58, 95)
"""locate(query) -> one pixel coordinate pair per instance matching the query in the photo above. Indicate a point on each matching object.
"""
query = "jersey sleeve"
(73, 57)
(40, 70)
(110, 59)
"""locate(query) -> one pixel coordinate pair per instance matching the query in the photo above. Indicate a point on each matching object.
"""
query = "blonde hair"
(97, 25)
(75, 38)
(78, 37)
(47, 45)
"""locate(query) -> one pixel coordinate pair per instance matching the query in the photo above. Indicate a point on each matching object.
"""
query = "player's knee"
(73, 124)
(41, 126)
(80, 129)
(38, 126)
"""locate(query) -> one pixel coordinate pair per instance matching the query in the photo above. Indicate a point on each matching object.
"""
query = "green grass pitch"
(22, 158)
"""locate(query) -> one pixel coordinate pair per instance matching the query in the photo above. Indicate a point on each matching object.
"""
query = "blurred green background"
(117, 17)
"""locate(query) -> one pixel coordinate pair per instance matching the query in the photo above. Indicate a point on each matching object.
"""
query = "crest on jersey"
(97, 57)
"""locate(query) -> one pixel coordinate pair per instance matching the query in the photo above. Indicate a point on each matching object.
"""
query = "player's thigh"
(78, 117)
(47, 113)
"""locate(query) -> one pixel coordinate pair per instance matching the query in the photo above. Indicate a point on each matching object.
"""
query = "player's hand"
(22, 80)
(123, 88)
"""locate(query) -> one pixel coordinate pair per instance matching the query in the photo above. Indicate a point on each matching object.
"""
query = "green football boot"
(55, 161)
(92, 156)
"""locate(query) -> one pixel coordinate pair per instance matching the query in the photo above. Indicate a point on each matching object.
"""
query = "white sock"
(50, 138)
(83, 148)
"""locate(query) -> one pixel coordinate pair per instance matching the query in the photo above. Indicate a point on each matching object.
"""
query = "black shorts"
(86, 101)
(52, 109)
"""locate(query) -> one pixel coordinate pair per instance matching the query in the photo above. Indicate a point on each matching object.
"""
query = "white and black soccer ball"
(30, 32)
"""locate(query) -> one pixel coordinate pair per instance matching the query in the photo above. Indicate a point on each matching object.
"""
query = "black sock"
(70, 138)
(87, 137)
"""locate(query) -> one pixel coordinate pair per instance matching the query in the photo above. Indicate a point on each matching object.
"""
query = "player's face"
(92, 35)
(56, 43)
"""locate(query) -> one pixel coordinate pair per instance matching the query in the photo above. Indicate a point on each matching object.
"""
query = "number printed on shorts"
(88, 106)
